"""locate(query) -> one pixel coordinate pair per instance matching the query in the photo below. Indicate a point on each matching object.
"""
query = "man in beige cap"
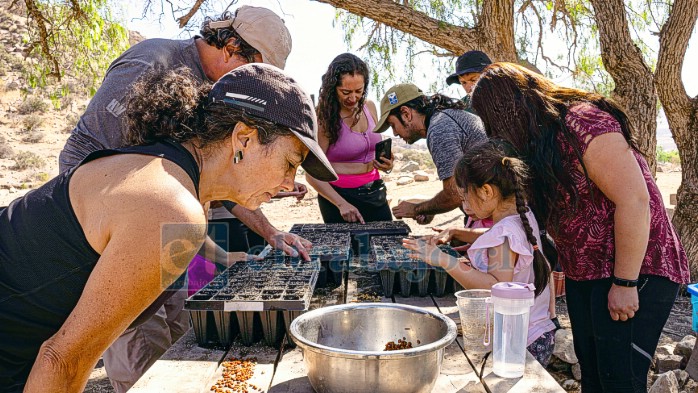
(450, 131)
(250, 34)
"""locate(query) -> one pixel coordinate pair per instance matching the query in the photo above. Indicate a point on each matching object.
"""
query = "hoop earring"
(237, 157)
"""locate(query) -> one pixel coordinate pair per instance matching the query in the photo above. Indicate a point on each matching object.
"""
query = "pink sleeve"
(586, 121)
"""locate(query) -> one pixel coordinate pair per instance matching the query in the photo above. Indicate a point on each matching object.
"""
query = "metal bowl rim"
(306, 344)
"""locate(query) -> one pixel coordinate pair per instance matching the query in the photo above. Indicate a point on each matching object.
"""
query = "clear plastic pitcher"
(512, 304)
(477, 329)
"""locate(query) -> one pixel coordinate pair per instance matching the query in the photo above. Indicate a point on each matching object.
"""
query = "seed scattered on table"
(236, 373)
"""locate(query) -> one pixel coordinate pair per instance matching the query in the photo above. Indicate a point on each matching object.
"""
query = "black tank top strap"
(166, 148)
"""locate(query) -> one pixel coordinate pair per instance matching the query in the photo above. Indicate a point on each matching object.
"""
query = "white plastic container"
(512, 304)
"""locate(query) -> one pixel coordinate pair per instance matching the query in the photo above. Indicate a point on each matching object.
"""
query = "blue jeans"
(615, 356)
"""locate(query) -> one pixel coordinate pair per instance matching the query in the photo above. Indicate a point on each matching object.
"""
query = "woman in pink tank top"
(594, 192)
(345, 121)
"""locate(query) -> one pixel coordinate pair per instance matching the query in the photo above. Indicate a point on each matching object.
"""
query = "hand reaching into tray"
(429, 253)
(291, 244)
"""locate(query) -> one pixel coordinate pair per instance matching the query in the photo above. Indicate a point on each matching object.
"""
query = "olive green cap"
(396, 96)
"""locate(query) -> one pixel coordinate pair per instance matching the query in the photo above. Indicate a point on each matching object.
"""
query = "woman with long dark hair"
(105, 254)
(593, 191)
(346, 120)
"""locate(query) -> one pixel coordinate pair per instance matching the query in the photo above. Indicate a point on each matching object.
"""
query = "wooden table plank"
(535, 379)
(457, 375)
(263, 370)
(185, 367)
(291, 375)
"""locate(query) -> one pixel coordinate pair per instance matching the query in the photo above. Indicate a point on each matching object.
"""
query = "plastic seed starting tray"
(370, 228)
(390, 258)
(328, 246)
(259, 286)
(253, 297)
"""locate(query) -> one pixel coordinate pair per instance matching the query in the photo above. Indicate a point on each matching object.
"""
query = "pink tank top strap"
(354, 146)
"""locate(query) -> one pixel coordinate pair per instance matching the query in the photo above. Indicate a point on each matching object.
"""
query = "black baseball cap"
(266, 92)
(472, 61)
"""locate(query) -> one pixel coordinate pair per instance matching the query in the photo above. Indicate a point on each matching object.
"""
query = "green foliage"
(42, 177)
(392, 54)
(27, 160)
(559, 37)
(671, 156)
(83, 42)
(32, 104)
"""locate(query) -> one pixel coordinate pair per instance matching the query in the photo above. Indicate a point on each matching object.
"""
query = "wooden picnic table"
(188, 368)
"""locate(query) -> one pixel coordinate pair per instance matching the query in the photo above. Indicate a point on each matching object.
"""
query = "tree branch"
(405, 19)
(38, 17)
(673, 42)
(183, 20)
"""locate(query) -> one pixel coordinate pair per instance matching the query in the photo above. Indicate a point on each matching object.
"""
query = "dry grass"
(32, 122)
(34, 136)
(27, 160)
(5, 149)
(70, 122)
(32, 105)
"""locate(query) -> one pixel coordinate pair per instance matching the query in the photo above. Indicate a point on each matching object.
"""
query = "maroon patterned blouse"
(585, 240)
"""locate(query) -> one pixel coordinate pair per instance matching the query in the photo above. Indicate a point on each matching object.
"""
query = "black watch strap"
(621, 282)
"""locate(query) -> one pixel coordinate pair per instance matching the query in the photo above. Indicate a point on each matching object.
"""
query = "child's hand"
(442, 237)
(429, 253)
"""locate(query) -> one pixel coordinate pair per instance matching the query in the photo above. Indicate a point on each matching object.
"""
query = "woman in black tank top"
(82, 256)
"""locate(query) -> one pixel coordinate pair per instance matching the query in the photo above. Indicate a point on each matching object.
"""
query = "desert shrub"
(5, 149)
(42, 177)
(32, 122)
(32, 105)
(11, 86)
(70, 122)
(422, 158)
(28, 160)
(35, 136)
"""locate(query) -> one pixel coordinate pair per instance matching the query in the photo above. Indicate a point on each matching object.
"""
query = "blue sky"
(316, 42)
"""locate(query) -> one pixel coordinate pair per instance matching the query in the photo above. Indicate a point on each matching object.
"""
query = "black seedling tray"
(370, 228)
(389, 258)
(275, 283)
(328, 246)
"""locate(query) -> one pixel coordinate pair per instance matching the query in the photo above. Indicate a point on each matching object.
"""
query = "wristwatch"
(621, 282)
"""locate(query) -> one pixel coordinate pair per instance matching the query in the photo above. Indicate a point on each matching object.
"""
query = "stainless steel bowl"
(343, 347)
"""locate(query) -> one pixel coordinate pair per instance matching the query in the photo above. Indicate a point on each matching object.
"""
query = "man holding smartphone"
(450, 131)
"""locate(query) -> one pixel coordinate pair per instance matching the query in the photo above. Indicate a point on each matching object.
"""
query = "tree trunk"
(634, 82)
(494, 35)
(682, 114)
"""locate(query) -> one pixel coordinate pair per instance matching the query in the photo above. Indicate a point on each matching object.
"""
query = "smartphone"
(383, 148)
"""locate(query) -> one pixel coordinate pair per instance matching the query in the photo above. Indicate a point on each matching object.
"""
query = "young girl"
(492, 185)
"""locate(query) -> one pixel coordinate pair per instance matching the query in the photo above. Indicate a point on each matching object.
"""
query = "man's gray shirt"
(451, 133)
(103, 125)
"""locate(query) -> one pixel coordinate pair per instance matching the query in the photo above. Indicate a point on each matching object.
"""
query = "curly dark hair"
(528, 110)
(173, 104)
(428, 105)
(328, 106)
(221, 36)
(494, 163)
